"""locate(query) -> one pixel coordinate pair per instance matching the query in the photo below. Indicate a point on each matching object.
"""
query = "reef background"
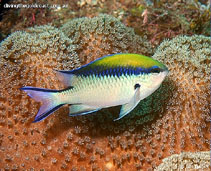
(176, 123)
(156, 19)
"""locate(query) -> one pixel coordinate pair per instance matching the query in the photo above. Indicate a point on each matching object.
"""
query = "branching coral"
(139, 141)
(104, 35)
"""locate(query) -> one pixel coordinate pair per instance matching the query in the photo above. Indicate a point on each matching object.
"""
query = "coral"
(156, 19)
(186, 160)
(40, 44)
(189, 64)
(172, 120)
(59, 142)
(166, 19)
(102, 35)
(27, 58)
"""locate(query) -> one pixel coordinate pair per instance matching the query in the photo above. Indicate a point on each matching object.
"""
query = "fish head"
(151, 77)
(154, 79)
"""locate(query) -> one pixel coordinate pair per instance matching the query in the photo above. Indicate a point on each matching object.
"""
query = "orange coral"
(27, 58)
(102, 35)
(153, 131)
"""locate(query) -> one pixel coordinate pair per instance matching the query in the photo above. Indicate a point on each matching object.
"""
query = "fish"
(113, 80)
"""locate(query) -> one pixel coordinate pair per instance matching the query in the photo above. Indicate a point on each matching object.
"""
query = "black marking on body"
(155, 70)
(114, 71)
(118, 71)
(45, 90)
(137, 86)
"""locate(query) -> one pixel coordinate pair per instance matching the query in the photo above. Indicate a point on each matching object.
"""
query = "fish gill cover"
(172, 120)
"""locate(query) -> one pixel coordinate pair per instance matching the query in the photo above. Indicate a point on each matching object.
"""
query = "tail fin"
(50, 102)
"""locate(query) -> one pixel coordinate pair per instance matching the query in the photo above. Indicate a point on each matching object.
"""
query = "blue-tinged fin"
(81, 109)
(49, 99)
(127, 108)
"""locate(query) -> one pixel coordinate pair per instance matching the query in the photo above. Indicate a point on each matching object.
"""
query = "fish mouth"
(158, 79)
(162, 76)
(166, 72)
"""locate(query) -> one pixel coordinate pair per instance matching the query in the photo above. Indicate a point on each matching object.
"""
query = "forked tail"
(49, 99)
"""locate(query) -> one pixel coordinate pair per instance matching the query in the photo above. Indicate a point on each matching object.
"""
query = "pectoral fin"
(128, 107)
(75, 110)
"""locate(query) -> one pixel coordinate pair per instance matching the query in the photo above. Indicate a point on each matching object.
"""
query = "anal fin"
(128, 107)
(75, 110)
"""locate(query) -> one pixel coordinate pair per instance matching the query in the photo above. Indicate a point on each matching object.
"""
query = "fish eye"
(155, 70)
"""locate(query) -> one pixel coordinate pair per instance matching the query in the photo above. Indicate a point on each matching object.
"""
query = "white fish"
(119, 79)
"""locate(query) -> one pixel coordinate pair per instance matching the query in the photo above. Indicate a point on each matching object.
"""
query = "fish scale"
(105, 86)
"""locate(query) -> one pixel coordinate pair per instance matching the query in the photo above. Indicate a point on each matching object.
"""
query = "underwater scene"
(105, 85)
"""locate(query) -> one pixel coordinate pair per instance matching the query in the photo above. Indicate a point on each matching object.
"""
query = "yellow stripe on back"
(133, 60)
